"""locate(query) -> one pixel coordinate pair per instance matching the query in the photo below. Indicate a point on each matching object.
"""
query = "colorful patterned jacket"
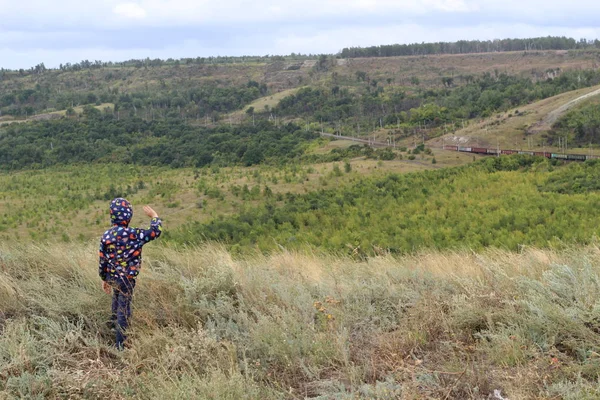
(121, 246)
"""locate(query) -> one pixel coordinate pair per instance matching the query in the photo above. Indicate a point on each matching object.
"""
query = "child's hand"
(106, 287)
(150, 212)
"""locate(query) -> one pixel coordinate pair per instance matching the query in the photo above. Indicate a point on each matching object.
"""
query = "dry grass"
(453, 325)
(55, 114)
(271, 100)
(430, 69)
(512, 130)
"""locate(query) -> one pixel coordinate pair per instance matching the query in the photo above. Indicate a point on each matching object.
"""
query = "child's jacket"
(121, 246)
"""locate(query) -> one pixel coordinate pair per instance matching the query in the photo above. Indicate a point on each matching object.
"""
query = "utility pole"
(497, 146)
(544, 147)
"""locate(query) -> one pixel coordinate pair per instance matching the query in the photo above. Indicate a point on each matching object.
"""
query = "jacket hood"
(120, 212)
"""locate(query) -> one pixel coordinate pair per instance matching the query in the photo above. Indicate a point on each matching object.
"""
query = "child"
(121, 260)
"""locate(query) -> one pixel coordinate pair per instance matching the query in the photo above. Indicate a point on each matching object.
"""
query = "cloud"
(121, 14)
(124, 29)
(130, 10)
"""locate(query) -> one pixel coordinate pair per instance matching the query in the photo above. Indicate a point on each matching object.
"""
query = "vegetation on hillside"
(191, 102)
(102, 137)
(290, 326)
(170, 127)
(504, 202)
(579, 127)
(333, 95)
(353, 206)
(34, 203)
(471, 46)
(372, 105)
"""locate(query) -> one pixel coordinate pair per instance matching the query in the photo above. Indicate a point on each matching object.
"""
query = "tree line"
(156, 63)
(102, 137)
(191, 102)
(470, 46)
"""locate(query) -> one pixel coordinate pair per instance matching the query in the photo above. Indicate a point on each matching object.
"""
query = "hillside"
(232, 151)
(354, 201)
(295, 262)
(291, 325)
(41, 91)
(33, 203)
(523, 128)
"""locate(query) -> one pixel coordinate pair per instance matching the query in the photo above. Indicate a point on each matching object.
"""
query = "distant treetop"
(157, 62)
(471, 46)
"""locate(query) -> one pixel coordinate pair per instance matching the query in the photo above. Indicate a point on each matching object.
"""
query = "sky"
(61, 31)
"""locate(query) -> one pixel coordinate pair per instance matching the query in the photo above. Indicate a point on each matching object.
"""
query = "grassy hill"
(33, 203)
(522, 128)
(457, 325)
(292, 265)
(50, 90)
(358, 205)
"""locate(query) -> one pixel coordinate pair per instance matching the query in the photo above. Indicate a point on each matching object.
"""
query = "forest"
(471, 46)
(193, 102)
(98, 137)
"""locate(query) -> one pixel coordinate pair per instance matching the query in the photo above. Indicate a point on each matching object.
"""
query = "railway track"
(475, 150)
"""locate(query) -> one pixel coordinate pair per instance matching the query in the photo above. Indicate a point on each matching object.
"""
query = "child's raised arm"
(155, 226)
(150, 212)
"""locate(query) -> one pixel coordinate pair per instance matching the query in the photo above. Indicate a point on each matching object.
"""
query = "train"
(547, 154)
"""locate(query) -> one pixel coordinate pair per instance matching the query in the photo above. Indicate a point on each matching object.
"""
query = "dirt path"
(546, 123)
(369, 142)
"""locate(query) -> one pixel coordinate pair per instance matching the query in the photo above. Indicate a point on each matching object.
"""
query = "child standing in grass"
(121, 260)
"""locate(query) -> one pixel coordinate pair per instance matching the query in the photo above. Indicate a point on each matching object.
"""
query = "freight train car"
(542, 154)
(557, 156)
(576, 157)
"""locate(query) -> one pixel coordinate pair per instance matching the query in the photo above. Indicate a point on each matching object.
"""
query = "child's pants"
(121, 307)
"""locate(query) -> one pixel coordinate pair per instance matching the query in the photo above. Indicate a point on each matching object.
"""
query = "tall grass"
(296, 325)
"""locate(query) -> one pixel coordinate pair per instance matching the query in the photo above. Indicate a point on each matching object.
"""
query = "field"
(70, 203)
(457, 325)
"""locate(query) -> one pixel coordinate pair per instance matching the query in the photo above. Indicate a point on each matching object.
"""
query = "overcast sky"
(60, 31)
